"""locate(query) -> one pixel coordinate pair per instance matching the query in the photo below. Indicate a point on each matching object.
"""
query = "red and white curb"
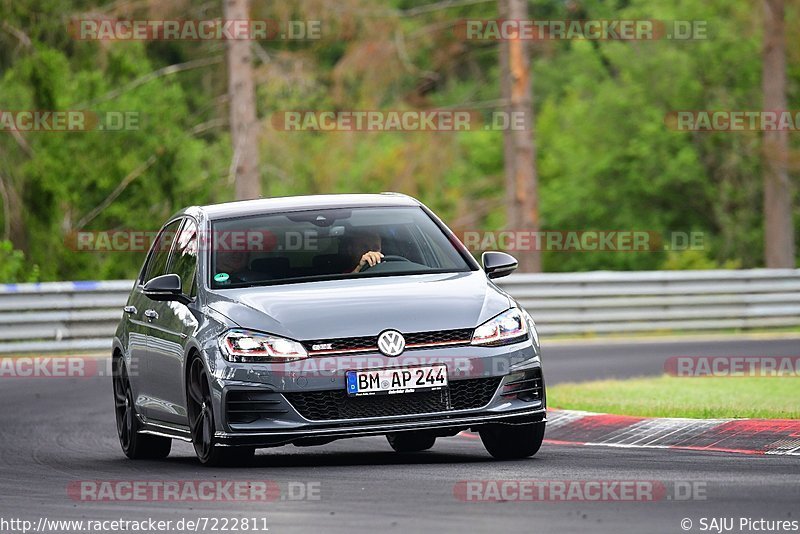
(747, 436)
(743, 436)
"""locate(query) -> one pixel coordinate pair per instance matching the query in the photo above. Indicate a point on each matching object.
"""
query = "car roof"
(243, 208)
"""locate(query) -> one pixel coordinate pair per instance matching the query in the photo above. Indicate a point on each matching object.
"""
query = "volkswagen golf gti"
(304, 320)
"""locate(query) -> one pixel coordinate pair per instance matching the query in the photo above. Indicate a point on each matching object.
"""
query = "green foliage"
(695, 260)
(63, 176)
(606, 158)
(13, 267)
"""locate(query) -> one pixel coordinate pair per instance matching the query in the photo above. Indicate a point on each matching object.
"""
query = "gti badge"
(391, 343)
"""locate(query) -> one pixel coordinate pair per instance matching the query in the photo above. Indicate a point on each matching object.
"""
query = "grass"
(667, 396)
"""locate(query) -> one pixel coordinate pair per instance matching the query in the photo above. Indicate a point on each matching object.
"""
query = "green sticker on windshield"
(221, 277)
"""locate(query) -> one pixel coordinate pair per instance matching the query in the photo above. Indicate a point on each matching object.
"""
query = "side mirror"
(498, 264)
(166, 287)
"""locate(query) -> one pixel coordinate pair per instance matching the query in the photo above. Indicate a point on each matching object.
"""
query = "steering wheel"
(388, 257)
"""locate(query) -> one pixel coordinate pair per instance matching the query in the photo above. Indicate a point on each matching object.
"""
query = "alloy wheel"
(123, 406)
(201, 418)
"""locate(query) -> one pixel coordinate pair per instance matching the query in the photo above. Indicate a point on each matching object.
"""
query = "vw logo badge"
(391, 343)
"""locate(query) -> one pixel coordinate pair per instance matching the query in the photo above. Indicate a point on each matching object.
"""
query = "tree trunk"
(778, 225)
(519, 150)
(13, 218)
(242, 105)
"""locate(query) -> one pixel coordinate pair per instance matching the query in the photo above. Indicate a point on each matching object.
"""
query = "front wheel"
(201, 423)
(136, 446)
(512, 442)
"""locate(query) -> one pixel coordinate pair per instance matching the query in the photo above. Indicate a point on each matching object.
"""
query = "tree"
(778, 226)
(242, 104)
(518, 145)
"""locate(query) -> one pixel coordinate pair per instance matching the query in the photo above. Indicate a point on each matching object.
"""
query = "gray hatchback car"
(304, 320)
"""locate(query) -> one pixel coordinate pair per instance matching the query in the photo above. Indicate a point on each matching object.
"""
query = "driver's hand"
(370, 258)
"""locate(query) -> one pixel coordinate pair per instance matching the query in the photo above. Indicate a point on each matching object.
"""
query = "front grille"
(341, 344)
(336, 404)
(442, 336)
(344, 343)
(525, 386)
(245, 406)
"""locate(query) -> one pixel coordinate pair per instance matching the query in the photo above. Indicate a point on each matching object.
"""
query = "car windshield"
(328, 244)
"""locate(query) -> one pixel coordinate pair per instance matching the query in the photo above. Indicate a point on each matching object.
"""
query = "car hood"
(365, 306)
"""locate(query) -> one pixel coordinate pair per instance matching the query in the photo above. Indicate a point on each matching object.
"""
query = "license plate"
(393, 381)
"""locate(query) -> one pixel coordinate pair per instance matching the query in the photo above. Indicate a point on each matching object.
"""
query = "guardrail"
(67, 316)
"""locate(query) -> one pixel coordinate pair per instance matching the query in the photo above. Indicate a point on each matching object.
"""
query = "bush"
(13, 267)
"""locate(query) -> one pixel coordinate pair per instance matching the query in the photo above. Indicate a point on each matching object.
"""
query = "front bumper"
(274, 390)
(313, 436)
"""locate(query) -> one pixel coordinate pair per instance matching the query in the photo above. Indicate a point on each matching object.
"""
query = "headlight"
(508, 327)
(244, 346)
(531, 327)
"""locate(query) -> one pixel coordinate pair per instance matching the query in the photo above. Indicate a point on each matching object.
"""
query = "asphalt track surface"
(56, 432)
(626, 358)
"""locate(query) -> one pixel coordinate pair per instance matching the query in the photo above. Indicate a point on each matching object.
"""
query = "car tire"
(411, 441)
(512, 442)
(135, 445)
(202, 424)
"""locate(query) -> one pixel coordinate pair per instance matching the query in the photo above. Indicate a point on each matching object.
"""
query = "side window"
(159, 252)
(183, 260)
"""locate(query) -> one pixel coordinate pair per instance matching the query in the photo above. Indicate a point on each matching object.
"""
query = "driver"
(234, 263)
(363, 248)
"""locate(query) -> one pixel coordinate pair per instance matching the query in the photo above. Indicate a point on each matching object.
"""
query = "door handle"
(151, 314)
(130, 310)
